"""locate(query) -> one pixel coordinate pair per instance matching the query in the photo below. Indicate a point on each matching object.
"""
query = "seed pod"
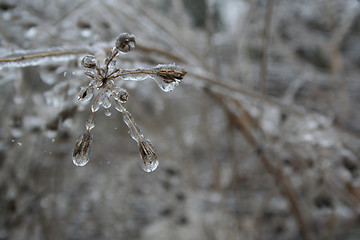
(89, 61)
(171, 75)
(125, 42)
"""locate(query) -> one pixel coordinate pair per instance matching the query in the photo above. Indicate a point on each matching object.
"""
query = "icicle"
(82, 149)
(107, 112)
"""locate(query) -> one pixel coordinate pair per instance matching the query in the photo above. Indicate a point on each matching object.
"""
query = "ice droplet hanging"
(82, 149)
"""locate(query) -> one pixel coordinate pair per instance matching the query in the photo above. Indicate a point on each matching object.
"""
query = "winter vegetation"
(252, 108)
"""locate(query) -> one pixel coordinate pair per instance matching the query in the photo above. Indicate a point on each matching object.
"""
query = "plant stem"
(93, 112)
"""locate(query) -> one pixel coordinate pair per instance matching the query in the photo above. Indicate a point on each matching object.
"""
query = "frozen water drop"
(19, 143)
(121, 95)
(107, 112)
(12, 140)
(166, 87)
(168, 76)
(86, 94)
(105, 101)
(125, 42)
(81, 152)
(149, 161)
(118, 107)
(90, 124)
(150, 166)
(94, 107)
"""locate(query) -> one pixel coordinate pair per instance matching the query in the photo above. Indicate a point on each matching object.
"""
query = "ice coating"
(104, 100)
(168, 76)
(134, 130)
(89, 61)
(86, 94)
(90, 124)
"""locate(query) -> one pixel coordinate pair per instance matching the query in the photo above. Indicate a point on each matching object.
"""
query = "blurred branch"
(265, 45)
(246, 125)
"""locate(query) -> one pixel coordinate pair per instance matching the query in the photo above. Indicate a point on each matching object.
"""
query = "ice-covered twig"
(25, 58)
(105, 81)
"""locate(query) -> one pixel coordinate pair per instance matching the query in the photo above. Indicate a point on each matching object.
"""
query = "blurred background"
(259, 141)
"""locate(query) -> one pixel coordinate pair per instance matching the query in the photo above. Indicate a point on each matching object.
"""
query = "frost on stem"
(82, 149)
(149, 159)
(105, 83)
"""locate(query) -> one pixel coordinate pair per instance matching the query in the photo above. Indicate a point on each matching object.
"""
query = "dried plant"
(106, 83)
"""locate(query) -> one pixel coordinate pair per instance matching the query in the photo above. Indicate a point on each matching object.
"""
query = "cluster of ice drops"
(106, 81)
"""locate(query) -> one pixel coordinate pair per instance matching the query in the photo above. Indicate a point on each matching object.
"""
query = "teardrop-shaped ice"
(168, 76)
(166, 86)
(86, 93)
(90, 124)
(94, 107)
(104, 100)
(149, 161)
(81, 152)
(107, 113)
(150, 166)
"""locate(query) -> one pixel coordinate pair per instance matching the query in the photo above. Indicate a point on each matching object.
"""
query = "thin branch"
(43, 55)
(265, 45)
